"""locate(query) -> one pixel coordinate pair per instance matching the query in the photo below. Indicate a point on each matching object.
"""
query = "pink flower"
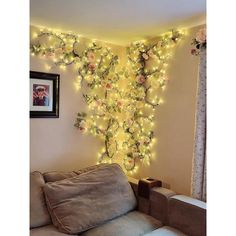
(92, 66)
(140, 79)
(98, 102)
(119, 103)
(201, 35)
(82, 125)
(108, 86)
(193, 51)
(90, 56)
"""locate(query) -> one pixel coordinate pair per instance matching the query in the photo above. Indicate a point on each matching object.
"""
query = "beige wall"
(56, 145)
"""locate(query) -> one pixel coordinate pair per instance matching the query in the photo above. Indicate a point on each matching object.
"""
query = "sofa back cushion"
(89, 168)
(53, 176)
(39, 215)
(90, 199)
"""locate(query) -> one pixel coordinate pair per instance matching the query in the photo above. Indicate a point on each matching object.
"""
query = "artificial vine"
(121, 102)
(199, 42)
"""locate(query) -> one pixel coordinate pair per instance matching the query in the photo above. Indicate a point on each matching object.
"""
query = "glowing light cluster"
(121, 101)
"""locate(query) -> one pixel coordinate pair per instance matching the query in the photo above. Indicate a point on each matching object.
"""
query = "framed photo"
(44, 95)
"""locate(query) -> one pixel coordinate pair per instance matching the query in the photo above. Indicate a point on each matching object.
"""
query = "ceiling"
(117, 21)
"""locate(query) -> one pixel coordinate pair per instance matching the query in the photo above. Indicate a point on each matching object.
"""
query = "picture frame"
(44, 95)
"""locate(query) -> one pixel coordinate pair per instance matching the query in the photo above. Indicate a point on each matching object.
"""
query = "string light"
(121, 101)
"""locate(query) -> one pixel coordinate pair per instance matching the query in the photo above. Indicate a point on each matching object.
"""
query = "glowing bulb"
(35, 35)
(63, 67)
(47, 67)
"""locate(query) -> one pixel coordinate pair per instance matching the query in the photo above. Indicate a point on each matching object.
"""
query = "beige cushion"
(166, 231)
(39, 215)
(90, 199)
(188, 215)
(133, 223)
(49, 230)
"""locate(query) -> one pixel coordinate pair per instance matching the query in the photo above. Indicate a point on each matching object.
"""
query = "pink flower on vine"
(92, 66)
(90, 56)
(140, 79)
(108, 86)
(98, 103)
(193, 51)
(82, 125)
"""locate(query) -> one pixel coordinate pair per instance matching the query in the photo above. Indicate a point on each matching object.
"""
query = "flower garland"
(200, 41)
(120, 108)
(148, 66)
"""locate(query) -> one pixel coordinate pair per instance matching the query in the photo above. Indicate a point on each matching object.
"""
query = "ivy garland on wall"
(121, 102)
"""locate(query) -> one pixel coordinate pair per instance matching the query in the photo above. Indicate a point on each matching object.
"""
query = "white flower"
(201, 35)
(82, 125)
(145, 56)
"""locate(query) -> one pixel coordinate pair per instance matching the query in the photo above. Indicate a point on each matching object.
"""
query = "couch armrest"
(143, 203)
(188, 215)
(159, 198)
(157, 203)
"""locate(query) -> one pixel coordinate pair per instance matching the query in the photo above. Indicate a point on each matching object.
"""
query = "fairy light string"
(121, 102)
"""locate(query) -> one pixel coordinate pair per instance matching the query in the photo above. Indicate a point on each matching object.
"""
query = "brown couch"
(101, 201)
